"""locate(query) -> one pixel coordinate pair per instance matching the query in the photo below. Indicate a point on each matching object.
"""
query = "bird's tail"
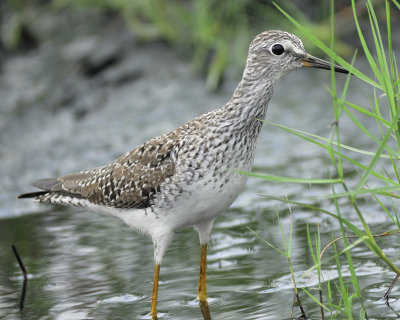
(47, 185)
(32, 194)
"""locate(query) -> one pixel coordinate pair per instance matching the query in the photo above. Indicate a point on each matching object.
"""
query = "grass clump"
(378, 168)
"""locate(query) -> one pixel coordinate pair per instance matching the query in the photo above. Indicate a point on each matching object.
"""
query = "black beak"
(314, 62)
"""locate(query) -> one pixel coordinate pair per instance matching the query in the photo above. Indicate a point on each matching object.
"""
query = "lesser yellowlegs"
(182, 178)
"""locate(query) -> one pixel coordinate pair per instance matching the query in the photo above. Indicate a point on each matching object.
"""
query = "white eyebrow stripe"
(290, 47)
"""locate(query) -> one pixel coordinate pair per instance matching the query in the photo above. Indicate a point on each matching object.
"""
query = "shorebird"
(184, 178)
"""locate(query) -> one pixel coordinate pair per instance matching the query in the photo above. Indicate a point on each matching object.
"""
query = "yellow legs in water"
(153, 310)
(202, 292)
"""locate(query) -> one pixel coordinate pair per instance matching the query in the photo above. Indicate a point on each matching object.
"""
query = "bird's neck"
(253, 97)
(248, 104)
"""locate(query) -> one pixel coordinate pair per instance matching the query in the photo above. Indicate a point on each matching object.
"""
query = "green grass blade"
(315, 299)
(396, 4)
(268, 243)
(274, 178)
(299, 134)
(303, 134)
(368, 113)
(383, 191)
(377, 155)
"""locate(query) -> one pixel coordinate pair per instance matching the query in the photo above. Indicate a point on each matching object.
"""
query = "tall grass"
(378, 168)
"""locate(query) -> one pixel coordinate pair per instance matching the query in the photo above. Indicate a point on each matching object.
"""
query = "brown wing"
(131, 181)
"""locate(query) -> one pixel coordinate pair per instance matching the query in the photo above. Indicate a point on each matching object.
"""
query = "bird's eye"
(277, 49)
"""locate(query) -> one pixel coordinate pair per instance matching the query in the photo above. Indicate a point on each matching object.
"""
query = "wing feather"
(131, 181)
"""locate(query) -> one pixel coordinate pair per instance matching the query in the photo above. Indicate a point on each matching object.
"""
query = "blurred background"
(83, 81)
(210, 34)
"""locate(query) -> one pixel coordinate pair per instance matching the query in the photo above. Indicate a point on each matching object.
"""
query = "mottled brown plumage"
(131, 181)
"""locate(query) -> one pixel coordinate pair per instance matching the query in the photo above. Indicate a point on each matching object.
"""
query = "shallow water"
(86, 266)
(83, 265)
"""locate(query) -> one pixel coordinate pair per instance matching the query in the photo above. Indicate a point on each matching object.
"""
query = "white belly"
(204, 202)
(197, 204)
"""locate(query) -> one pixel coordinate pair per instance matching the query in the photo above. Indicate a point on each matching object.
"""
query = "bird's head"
(274, 53)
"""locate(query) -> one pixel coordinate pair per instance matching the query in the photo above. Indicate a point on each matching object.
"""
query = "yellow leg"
(205, 310)
(202, 294)
(153, 310)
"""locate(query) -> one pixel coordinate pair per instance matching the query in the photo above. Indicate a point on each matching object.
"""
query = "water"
(57, 117)
(86, 266)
